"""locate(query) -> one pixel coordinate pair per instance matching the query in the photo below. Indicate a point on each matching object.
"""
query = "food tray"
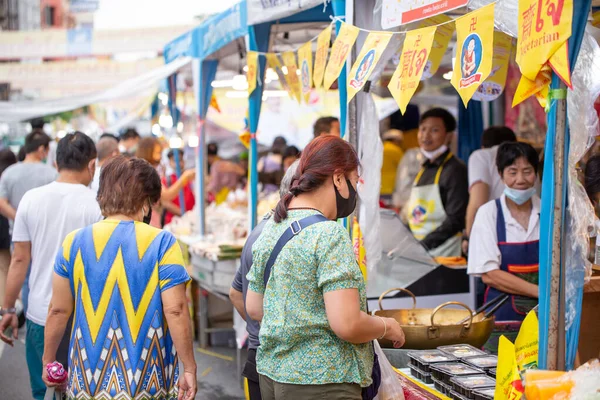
(465, 385)
(443, 372)
(492, 372)
(484, 394)
(485, 363)
(422, 376)
(423, 359)
(461, 351)
(456, 396)
(440, 386)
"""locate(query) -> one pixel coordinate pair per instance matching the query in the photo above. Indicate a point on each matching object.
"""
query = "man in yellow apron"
(438, 200)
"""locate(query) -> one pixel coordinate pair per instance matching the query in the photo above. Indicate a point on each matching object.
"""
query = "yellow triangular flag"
(559, 62)
(289, 59)
(405, 81)
(474, 51)
(443, 34)
(251, 75)
(366, 61)
(321, 56)
(305, 62)
(339, 53)
(527, 88)
(493, 86)
(214, 104)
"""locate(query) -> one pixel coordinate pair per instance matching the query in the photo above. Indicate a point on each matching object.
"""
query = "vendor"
(504, 248)
(438, 199)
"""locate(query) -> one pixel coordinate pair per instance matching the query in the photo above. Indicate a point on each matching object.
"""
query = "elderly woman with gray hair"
(239, 288)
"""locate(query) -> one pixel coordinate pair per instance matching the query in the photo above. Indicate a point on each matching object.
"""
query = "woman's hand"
(394, 332)
(188, 175)
(187, 386)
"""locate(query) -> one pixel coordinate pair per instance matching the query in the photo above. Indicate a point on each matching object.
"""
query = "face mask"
(432, 155)
(147, 217)
(519, 196)
(345, 206)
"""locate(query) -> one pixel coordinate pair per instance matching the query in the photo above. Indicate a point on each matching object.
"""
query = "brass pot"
(427, 328)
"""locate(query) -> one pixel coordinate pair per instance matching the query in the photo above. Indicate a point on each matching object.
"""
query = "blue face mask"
(519, 196)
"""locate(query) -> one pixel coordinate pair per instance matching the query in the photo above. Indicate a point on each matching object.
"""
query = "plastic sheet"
(506, 14)
(391, 387)
(583, 124)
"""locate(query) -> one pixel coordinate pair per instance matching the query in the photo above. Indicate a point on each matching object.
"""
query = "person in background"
(150, 149)
(392, 155)
(44, 218)
(188, 192)
(290, 156)
(239, 288)
(409, 166)
(315, 333)
(438, 199)
(504, 247)
(326, 126)
(134, 338)
(212, 155)
(129, 141)
(18, 179)
(225, 176)
(21, 154)
(108, 135)
(408, 124)
(485, 183)
(272, 164)
(7, 158)
(107, 148)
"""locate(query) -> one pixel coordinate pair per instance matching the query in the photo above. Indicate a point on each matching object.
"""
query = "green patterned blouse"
(297, 345)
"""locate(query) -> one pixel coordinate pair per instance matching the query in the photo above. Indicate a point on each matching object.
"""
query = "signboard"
(269, 10)
(84, 6)
(221, 29)
(400, 12)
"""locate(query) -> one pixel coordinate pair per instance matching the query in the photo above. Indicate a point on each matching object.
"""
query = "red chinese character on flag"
(528, 22)
(407, 64)
(555, 9)
(420, 61)
(473, 24)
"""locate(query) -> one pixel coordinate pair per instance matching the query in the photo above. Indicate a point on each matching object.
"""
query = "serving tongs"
(493, 306)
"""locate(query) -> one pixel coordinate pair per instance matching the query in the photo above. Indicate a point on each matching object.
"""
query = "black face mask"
(147, 217)
(345, 207)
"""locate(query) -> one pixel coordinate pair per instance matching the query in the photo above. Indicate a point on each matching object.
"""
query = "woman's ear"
(338, 179)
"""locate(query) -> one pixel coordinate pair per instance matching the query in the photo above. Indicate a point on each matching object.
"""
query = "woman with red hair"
(307, 289)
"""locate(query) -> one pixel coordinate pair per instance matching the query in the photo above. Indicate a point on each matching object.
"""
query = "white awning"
(14, 111)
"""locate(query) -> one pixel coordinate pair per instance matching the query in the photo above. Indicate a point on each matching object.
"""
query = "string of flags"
(479, 69)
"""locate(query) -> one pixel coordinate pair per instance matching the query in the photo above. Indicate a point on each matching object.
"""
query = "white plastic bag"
(390, 388)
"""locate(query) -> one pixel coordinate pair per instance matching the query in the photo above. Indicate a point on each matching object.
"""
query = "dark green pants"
(272, 390)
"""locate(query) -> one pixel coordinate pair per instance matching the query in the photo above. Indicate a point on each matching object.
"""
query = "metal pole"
(200, 178)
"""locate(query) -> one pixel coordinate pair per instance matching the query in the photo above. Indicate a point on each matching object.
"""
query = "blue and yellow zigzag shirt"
(121, 347)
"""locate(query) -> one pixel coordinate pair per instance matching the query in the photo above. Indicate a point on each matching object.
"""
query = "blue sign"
(222, 29)
(180, 47)
(79, 41)
(84, 6)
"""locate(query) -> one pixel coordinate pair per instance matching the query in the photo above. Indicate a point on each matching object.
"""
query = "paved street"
(216, 373)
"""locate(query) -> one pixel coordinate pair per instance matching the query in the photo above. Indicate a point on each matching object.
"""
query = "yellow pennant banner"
(251, 75)
(537, 87)
(358, 242)
(214, 103)
(475, 43)
(493, 86)
(321, 56)
(305, 61)
(544, 25)
(405, 81)
(245, 138)
(289, 59)
(339, 53)
(274, 63)
(366, 61)
(440, 43)
(559, 62)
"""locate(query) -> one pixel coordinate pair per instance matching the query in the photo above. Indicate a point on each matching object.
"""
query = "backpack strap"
(295, 228)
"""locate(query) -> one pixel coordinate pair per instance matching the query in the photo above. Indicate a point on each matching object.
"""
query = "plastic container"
(423, 359)
(443, 372)
(421, 375)
(492, 372)
(485, 363)
(461, 351)
(466, 385)
(441, 386)
(484, 394)
(455, 395)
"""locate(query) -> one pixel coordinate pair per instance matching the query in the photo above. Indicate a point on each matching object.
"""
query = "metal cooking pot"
(427, 328)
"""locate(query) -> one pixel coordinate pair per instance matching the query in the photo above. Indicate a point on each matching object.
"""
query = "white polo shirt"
(482, 168)
(484, 254)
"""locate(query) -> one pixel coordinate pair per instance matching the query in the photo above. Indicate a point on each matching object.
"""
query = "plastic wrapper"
(506, 16)
(581, 384)
(527, 343)
(390, 388)
(583, 124)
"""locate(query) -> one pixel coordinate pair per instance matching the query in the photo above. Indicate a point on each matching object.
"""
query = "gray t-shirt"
(20, 178)
(240, 283)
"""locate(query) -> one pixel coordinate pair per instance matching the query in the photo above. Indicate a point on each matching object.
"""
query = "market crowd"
(102, 286)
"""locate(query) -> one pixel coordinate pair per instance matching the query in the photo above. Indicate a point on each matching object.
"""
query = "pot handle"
(456, 303)
(400, 290)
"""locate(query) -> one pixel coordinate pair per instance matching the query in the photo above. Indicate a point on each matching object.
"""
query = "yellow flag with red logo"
(493, 86)
(406, 78)
(544, 26)
(366, 61)
(474, 48)
(321, 56)
(274, 63)
(214, 103)
(442, 38)
(245, 138)
(305, 62)
(289, 60)
(537, 87)
(339, 53)
(252, 60)
(358, 243)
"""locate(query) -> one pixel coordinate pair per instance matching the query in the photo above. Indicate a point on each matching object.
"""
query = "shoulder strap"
(295, 228)
(500, 225)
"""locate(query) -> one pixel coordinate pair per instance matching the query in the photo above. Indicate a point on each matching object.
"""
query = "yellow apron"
(426, 213)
